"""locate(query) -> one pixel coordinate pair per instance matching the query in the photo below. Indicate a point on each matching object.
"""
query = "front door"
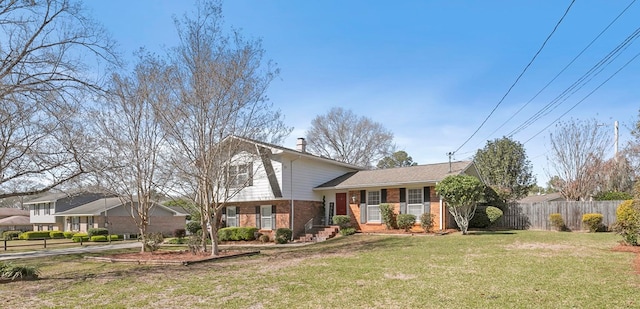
(341, 204)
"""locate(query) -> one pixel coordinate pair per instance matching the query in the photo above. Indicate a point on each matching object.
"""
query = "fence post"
(80, 241)
(5, 245)
(45, 243)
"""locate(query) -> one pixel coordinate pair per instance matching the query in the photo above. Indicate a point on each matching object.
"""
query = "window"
(50, 228)
(38, 227)
(75, 223)
(265, 217)
(232, 216)
(373, 206)
(47, 209)
(414, 203)
(89, 222)
(240, 175)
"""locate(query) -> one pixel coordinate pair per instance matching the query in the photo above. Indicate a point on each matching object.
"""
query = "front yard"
(487, 270)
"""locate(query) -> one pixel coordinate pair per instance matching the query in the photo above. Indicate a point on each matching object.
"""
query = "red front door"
(341, 204)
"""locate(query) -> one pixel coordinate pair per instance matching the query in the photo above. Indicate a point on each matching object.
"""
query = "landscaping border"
(168, 262)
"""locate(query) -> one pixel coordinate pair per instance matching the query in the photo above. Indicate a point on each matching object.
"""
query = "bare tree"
(220, 82)
(133, 139)
(577, 154)
(45, 50)
(342, 135)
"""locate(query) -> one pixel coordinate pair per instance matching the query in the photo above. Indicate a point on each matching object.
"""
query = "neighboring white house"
(43, 210)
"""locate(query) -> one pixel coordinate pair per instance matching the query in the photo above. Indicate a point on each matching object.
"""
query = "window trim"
(374, 207)
(421, 204)
(268, 218)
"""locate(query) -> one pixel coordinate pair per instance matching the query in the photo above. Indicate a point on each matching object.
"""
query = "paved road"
(74, 250)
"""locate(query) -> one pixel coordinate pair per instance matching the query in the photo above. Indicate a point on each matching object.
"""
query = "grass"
(519, 269)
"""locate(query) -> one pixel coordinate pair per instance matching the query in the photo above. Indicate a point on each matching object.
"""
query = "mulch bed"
(632, 249)
(175, 257)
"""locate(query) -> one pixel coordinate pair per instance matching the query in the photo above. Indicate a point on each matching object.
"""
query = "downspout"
(442, 214)
(291, 194)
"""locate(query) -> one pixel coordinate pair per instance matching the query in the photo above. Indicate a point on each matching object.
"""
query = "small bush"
(224, 234)
(153, 241)
(264, 238)
(177, 241)
(480, 218)
(283, 235)
(557, 222)
(237, 233)
(494, 214)
(592, 221)
(347, 231)
(80, 236)
(56, 235)
(613, 196)
(427, 221)
(97, 231)
(627, 222)
(35, 235)
(193, 227)
(388, 216)
(11, 235)
(406, 221)
(342, 221)
(180, 233)
(12, 272)
(68, 234)
(99, 238)
(116, 237)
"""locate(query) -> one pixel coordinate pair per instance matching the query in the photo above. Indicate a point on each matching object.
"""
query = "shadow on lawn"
(480, 233)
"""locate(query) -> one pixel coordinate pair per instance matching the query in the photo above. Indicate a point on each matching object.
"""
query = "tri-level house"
(295, 189)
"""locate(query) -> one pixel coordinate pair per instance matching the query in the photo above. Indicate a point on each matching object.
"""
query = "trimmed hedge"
(97, 231)
(68, 234)
(406, 221)
(78, 236)
(99, 238)
(56, 235)
(11, 235)
(342, 221)
(557, 222)
(237, 233)
(35, 235)
(485, 216)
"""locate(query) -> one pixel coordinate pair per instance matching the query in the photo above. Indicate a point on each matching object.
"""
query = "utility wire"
(563, 69)
(587, 96)
(519, 76)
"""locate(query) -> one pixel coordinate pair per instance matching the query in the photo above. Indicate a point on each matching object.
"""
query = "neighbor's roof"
(8, 212)
(15, 220)
(99, 206)
(556, 196)
(429, 173)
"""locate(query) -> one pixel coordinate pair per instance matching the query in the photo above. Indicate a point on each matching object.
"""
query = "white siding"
(34, 217)
(308, 174)
(260, 189)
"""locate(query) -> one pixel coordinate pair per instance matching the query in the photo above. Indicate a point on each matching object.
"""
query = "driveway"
(74, 250)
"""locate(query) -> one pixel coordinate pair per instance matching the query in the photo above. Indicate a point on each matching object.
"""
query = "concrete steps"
(319, 233)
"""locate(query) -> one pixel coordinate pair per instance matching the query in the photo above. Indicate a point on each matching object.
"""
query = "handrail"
(308, 226)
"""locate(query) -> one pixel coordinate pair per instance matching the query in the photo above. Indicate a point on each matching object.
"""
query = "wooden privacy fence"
(536, 215)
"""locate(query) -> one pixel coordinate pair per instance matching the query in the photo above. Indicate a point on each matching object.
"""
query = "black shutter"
(383, 195)
(426, 192)
(363, 196)
(363, 206)
(273, 217)
(403, 195)
(258, 217)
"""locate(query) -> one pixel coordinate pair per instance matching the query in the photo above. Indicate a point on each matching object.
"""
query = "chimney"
(301, 145)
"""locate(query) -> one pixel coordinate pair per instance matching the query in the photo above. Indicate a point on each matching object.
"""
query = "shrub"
(347, 231)
(180, 233)
(480, 218)
(283, 235)
(264, 238)
(613, 196)
(388, 216)
(68, 234)
(177, 241)
(153, 241)
(97, 231)
(99, 238)
(56, 235)
(237, 233)
(12, 272)
(427, 221)
(11, 235)
(627, 222)
(557, 222)
(406, 221)
(592, 221)
(34, 235)
(342, 221)
(116, 237)
(193, 227)
(493, 213)
(80, 236)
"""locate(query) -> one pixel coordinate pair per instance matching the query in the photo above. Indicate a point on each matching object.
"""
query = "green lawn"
(519, 269)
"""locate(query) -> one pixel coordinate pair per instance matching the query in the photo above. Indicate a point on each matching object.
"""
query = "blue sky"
(429, 71)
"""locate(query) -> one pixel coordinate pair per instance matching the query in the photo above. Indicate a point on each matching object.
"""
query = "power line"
(563, 69)
(519, 76)
(587, 96)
